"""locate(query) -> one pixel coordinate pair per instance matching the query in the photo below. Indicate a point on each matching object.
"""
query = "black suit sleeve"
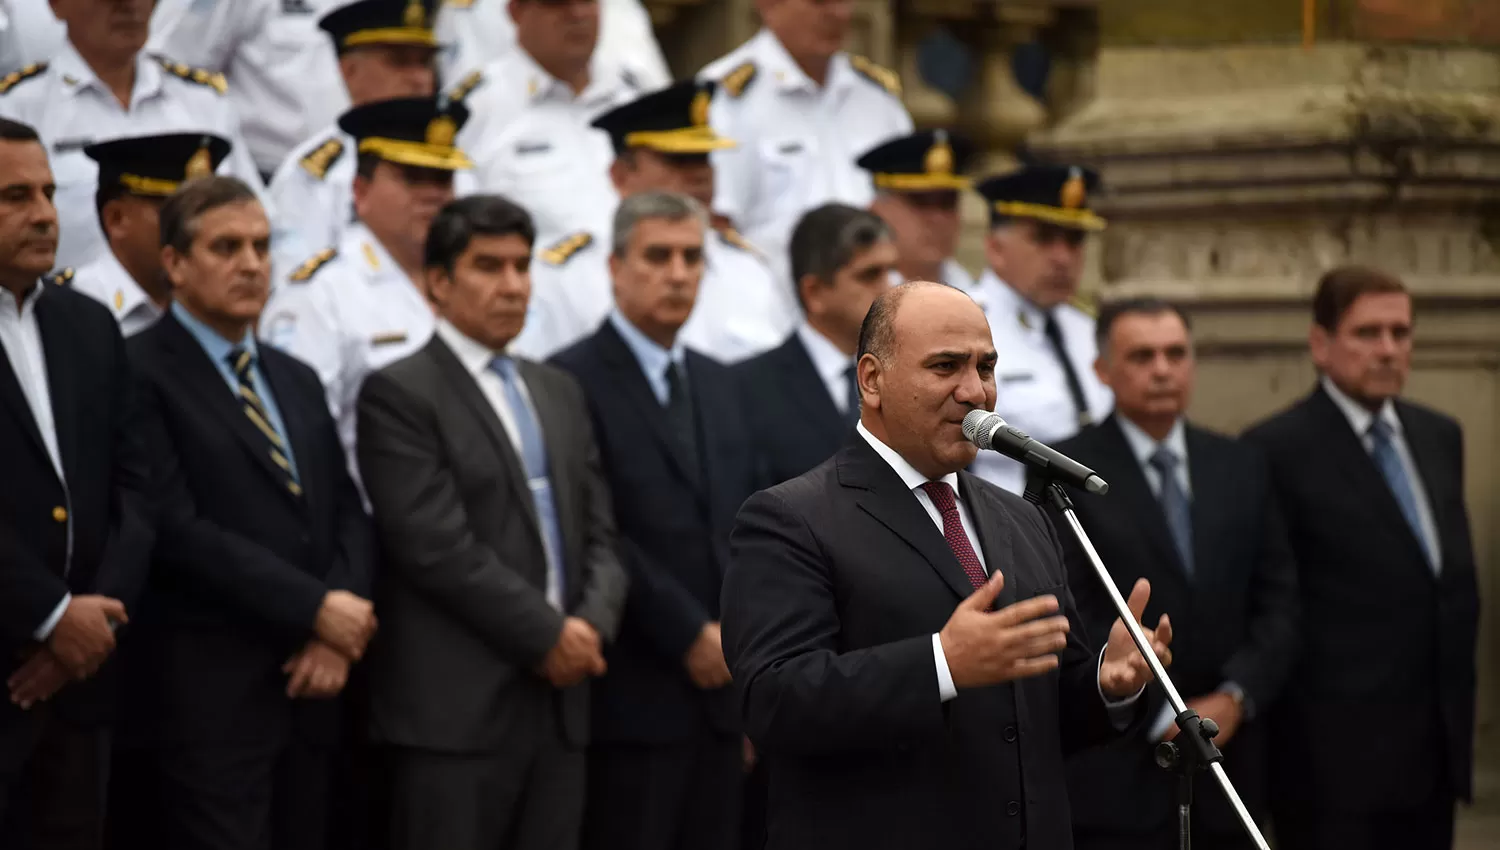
(353, 567)
(29, 591)
(1264, 663)
(605, 582)
(202, 554)
(426, 530)
(798, 693)
(126, 559)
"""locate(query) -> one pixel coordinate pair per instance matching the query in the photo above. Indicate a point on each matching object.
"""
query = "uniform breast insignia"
(11, 80)
(1024, 320)
(325, 155)
(305, 272)
(564, 250)
(61, 277)
(466, 86)
(199, 76)
(880, 76)
(735, 82)
(733, 237)
(388, 338)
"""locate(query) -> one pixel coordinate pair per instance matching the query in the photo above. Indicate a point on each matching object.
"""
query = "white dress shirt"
(476, 358)
(22, 339)
(832, 367)
(107, 282)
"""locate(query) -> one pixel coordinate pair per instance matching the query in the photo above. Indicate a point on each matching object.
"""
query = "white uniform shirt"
(313, 190)
(283, 73)
(71, 109)
(530, 140)
(350, 316)
(1031, 389)
(107, 282)
(797, 142)
(476, 33)
(29, 32)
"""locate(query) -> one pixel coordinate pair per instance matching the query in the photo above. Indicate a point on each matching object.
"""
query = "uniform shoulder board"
(61, 277)
(323, 156)
(880, 76)
(466, 86)
(564, 250)
(733, 237)
(735, 82)
(10, 81)
(458, 4)
(201, 76)
(1086, 304)
(305, 272)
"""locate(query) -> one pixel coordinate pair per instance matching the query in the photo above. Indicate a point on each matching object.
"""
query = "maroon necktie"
(953, 529)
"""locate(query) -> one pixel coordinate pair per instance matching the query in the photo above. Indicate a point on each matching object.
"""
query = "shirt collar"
(28, 301)
(909, 475)
(789, 76)
(1011, 306)
(473, 354)
(125, 295)
(368, 254)
(1143, 445)
(1360, 418)
(77, 76)
(605, 80)
(216, 347)
(829, 362)
(653, 358)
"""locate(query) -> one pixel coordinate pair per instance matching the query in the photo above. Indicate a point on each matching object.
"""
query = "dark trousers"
(527, 795)
(52, 782)
(221, 797)
(753, 818)
(1430, 828)
(1165, 838)
(683, 796)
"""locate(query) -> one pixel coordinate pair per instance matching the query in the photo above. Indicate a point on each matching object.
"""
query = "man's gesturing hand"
(705, 659)
(986, 647)
(85, 635)
(577, 654)
(1123, 670)
(346, 622)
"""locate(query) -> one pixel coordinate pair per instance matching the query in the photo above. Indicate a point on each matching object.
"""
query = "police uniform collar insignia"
(119, 299)
(1024, 318)
(371, 257)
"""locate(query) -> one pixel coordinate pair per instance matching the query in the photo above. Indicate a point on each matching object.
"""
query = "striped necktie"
(255, 410)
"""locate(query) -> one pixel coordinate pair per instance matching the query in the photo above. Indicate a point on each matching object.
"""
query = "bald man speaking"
(907, 655)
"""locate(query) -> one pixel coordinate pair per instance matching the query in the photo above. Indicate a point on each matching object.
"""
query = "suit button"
(1013, 808)
(1010, 734)
(60, 513)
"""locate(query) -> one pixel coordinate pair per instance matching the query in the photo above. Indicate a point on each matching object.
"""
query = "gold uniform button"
(60, 514)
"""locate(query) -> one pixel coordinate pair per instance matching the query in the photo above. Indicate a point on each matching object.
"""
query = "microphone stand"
(1193, 749)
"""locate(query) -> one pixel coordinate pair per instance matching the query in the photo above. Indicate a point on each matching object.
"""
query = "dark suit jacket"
(462, 600)
(1235, 620)
(794, 422)
(839, 580)
(674, 536)
(1389, 647)
(106, 501)
(241, 565)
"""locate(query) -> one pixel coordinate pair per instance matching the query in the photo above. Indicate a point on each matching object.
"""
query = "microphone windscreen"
(980, 425)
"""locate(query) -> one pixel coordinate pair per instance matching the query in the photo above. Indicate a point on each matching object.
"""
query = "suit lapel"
(628, 376)
(1211, 500)
(1128, 486)
(1421, 443)
(13, 400)
(62, 382)
(805, 385)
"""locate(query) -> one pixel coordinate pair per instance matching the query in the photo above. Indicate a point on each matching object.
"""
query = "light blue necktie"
(1384, 453)
(1175, 505)
(534, 460)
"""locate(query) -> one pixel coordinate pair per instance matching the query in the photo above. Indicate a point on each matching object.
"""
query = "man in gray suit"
(500, 582)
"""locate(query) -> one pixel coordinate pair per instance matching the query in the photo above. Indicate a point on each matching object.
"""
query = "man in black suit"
(801, 396)
(255, 607)
(1374, 738)
(895, 709)
(501, 582)
(75, 525)
(1194, 513)
(666, 765)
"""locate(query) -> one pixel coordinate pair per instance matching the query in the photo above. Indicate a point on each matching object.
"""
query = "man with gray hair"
(665, 766)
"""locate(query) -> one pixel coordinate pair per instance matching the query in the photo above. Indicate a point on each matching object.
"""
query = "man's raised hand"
(985, 647)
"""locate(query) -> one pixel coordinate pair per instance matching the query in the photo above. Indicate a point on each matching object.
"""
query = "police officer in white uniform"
(353, 309)
(283, 79)
(103, 86)
(918, 178)
(531, 137)
(385, 50)
(29, 33)
(1044, 378)
(135, 176)
(662, 142)
(802, 110)
(475, 33)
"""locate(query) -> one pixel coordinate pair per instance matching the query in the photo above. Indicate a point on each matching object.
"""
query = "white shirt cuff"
(946, 689)
(1164, 722)
(44, 631)
(1120, 711)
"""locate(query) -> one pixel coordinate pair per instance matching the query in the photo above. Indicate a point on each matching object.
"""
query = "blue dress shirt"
(652, 357)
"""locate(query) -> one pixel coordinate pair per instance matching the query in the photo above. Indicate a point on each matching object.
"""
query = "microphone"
(988, 431)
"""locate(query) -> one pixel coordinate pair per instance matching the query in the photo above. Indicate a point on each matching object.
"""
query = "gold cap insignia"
(200, 164)
(698, 112)
(416, 15)
(441, 130)
(1074, 194)
(940, 156)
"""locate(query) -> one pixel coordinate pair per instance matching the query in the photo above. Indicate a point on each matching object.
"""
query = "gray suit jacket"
(464, 620)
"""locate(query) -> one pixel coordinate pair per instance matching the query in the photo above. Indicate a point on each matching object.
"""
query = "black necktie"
(851, 378)
(1075, 388)
(255, 410)
(682, 418)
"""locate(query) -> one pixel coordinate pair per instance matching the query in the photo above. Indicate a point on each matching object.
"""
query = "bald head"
(877, 334)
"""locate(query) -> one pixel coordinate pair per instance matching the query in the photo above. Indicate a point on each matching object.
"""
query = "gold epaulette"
(201, 76)
(733, 237)
(317, 261)
(458, 4)
(466, 86)
(61, 277)
(735, 82)
(10, 80)
(563, 251)
(325, 155)
(1086, 304)
(880, 76)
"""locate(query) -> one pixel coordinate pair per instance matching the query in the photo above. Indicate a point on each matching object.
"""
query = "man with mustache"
(355, 308)
(75, 520)
(136, 175)
(103, 85)
(258, 599)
